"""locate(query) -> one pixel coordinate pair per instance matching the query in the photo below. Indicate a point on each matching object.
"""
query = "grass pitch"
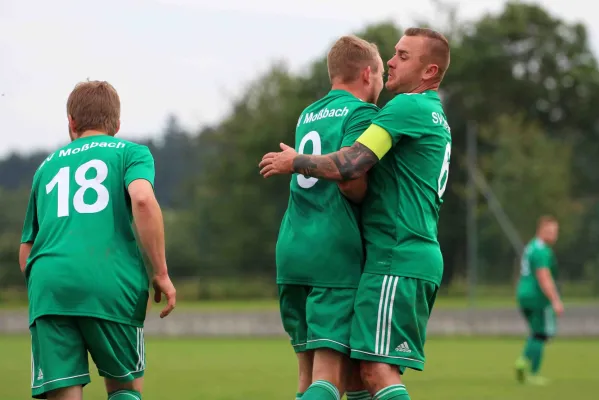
(234, 369)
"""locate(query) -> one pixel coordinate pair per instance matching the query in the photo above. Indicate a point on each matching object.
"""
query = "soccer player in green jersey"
(538, 298)
(407, 151)
(319, 253)
(87, 283)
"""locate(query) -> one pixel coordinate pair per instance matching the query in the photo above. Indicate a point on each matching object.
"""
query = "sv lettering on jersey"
(440, 120)
(87, 146)
(325, 113)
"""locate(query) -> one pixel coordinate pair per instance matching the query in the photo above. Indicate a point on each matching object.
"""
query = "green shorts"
(390, 320)
(540, 321)
(316, 317)
(60, 346)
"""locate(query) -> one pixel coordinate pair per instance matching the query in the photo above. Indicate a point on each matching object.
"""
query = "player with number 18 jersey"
(319, 253)
(85, 262)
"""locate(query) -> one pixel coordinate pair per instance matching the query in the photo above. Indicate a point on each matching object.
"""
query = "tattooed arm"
(343, 165)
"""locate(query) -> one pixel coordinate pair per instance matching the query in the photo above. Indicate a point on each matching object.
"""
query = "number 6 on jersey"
(63, 178)
(444, 171)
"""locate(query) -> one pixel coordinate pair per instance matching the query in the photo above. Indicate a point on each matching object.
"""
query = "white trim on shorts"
(385, 315)
(141, 357)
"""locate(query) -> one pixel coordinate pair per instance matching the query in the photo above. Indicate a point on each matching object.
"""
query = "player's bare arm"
(24, 251)
(549, 289)
(354, 190)
(343, 165)
(149, 223)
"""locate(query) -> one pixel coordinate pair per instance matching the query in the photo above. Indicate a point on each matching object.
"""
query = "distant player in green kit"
(319, 252)
(407, 151)
(86, 280)
(538, 298)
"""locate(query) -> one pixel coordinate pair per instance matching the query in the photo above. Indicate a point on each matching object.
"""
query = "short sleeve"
(139, 164)
(540, 258)
(399, 117)
(31, 224)
(357, 123)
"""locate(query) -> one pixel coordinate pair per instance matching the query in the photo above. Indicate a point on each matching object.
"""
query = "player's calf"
(329, 375)
(355, 388)
(383, 381)
(305, 361)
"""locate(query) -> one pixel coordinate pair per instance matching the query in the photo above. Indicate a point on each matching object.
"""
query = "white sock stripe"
(329, 386)
(358, 393)
(378, 320)
(123, 392)
(395, 280)
(388, 389)
(362, 395)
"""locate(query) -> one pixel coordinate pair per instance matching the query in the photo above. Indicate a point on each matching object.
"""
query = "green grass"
(233, 369)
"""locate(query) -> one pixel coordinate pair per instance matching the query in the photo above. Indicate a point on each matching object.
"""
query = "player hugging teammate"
(406, 149)
(86, 280)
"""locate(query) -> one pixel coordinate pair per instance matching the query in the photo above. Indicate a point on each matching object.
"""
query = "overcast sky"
(187, 57)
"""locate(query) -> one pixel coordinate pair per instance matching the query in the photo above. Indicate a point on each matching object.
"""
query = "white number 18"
(63, 178)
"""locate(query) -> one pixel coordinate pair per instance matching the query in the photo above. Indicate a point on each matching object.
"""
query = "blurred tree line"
(529, 81)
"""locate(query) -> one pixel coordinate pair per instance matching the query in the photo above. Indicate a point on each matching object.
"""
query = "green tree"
(530, 174)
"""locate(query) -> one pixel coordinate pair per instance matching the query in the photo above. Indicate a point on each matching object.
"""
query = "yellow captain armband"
(377, 140)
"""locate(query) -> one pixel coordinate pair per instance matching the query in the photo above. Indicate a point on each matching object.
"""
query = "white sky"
(187, 57)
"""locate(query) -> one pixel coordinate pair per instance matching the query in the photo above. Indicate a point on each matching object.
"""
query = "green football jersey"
(536, 255)
(319, 241)
(405, 188)
(85, 260)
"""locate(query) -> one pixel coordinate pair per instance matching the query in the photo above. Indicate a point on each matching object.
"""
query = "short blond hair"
(348, 56)
(438, 51)
(95, 105)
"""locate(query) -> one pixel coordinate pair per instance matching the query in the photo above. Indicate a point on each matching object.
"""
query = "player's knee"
(330, 365)
(69, 393)
(375, 374)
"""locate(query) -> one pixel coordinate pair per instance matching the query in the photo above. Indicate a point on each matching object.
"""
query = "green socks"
(361, 395)
(298, 396)
(534, 353)
(394, 392)
(321, 390)
(124, 395)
